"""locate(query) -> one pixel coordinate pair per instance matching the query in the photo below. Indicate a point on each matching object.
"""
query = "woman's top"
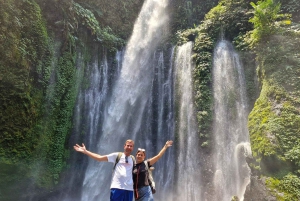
(140, 176)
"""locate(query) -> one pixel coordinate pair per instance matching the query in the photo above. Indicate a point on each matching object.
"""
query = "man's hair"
(129, 140)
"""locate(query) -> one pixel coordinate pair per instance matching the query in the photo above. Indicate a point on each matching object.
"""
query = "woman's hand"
(162, 151)
(169, 143)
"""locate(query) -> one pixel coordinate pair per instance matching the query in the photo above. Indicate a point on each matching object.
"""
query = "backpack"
(119, 156)
(150, 179)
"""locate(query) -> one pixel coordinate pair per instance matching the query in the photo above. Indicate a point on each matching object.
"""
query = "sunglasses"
(140, 149)
(126, 159)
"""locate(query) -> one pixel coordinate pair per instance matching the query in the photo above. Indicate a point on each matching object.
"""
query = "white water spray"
(189, 176)
(231, 137)
(124, 111)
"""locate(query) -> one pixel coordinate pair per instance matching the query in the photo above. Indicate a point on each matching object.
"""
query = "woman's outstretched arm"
(161, 153)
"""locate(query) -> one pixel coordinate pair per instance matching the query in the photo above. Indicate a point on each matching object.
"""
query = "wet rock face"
(257, 191)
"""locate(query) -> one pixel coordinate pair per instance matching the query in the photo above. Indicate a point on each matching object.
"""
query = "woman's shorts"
(145, 194)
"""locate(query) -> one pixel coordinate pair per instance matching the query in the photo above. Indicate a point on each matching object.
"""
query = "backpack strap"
(117, 159)
(119, 156)
(147, 167)
(146, 164)
(150, 179)
(133, 159)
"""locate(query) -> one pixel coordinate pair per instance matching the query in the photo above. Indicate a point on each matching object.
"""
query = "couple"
(128, 175)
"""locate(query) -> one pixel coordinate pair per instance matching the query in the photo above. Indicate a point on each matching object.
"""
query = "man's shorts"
(120, 195)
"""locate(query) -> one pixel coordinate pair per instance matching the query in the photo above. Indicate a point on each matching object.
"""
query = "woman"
(141, 186)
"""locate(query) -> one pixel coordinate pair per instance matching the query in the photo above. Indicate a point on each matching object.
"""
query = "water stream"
(128, 111)
(231, 137)
(189, 163)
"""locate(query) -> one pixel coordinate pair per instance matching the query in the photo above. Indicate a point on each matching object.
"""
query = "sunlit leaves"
(266, 13)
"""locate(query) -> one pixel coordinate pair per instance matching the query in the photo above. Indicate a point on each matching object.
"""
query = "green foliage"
(31, 131)
(202, 83)
(228, 19)
(74, 20)
(24, 54)
(86, 18)
(266, 13)
(291, 186)
(115, 15)
(263, 143)
(274, 128)
(294, 153)
(287, 189)
(63, 102)
(217, 12)
(24, 75)
(274, 122)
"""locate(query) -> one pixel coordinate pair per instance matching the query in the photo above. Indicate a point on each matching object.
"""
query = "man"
(121, 188)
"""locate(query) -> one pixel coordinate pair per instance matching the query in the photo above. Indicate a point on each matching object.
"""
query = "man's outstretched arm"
(95, 156)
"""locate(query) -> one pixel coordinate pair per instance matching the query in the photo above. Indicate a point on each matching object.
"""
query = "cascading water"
(130, 106)
(189, 163)
(87, 117)
(231, 137)
(160, 124)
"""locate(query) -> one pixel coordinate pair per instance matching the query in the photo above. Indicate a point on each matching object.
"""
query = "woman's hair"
(141, 150)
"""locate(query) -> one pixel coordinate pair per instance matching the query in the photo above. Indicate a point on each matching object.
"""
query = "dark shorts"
(120, 195)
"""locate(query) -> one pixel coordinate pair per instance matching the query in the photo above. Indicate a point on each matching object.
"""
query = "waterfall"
(189, 166)
(160, 124)
(129, 111)
(231, 137)
(136, 100)
(95, 87)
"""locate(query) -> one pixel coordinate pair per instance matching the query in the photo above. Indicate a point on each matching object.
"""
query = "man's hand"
(79, 148)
